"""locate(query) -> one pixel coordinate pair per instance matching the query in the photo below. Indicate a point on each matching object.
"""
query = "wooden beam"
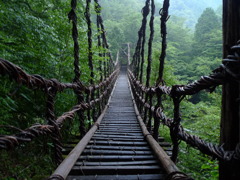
(166, 162)
(65, 167)
(230, 121)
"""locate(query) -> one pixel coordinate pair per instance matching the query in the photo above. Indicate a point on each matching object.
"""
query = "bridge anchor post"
(230, 122)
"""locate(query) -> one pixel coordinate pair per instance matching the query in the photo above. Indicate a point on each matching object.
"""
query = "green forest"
(194, 50)
(36, 35)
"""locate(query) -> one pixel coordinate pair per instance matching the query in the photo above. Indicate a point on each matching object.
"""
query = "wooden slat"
(107, 130)
(120, 143)
(119, 133)
(117, 139)
(120, 163)
(100, 170)
(65, 167)
(119, 177)
(162, 156)
(118, 136)
(118, 149)
(115, 123)
(115, 152)
(115, 157)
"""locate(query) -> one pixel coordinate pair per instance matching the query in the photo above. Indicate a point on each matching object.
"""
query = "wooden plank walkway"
(118, 149)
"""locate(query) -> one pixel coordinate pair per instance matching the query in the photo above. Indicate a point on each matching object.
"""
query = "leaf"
(25, 97)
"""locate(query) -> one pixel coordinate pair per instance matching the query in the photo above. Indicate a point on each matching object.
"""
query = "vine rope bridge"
(122, 112)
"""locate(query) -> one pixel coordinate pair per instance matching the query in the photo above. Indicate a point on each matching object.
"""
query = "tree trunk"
(230, 122)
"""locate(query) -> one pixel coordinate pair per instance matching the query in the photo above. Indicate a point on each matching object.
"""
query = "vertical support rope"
(97, 10)
(105, 42)
(136, 56)
(145, 12)
(89, 33)
(150, 114)
(156, 119)
(151, 23)
(107, 65)
(164, 18)
(140, 56)
(90, 60)
(129, 54)
(149, 66)
(175, 125)
(56, 136)
(73, 17)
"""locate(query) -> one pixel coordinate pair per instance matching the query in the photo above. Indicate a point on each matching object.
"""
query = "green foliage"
(36, 35)
(22, 163)
(122, 21)
(206, 36)
(191, 10)
(190, 56)
(207, 23)
(201, 112)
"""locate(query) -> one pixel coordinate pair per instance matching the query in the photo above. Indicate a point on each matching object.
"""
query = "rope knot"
(146, 9)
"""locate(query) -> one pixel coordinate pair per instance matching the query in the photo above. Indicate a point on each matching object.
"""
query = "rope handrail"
(38, 82)
(96, 93)
(204, 83)
(228, 71)
(205, 147)
(10, 141)
(33, 81)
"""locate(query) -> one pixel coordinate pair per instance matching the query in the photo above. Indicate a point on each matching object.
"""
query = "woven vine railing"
(144, 94)
(90, 99)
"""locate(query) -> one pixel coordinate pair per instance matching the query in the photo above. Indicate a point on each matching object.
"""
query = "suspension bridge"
(124, 112)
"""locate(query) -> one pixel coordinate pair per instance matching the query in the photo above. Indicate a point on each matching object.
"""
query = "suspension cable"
(164, 18)
(149, 64)
(73, 17)
(145, 12)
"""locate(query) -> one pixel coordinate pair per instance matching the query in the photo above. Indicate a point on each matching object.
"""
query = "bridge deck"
(118, 149)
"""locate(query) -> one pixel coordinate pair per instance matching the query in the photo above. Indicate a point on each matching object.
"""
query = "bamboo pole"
(65, 167)
(161, 155)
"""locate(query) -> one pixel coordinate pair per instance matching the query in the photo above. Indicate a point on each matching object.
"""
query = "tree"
(207, 26)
